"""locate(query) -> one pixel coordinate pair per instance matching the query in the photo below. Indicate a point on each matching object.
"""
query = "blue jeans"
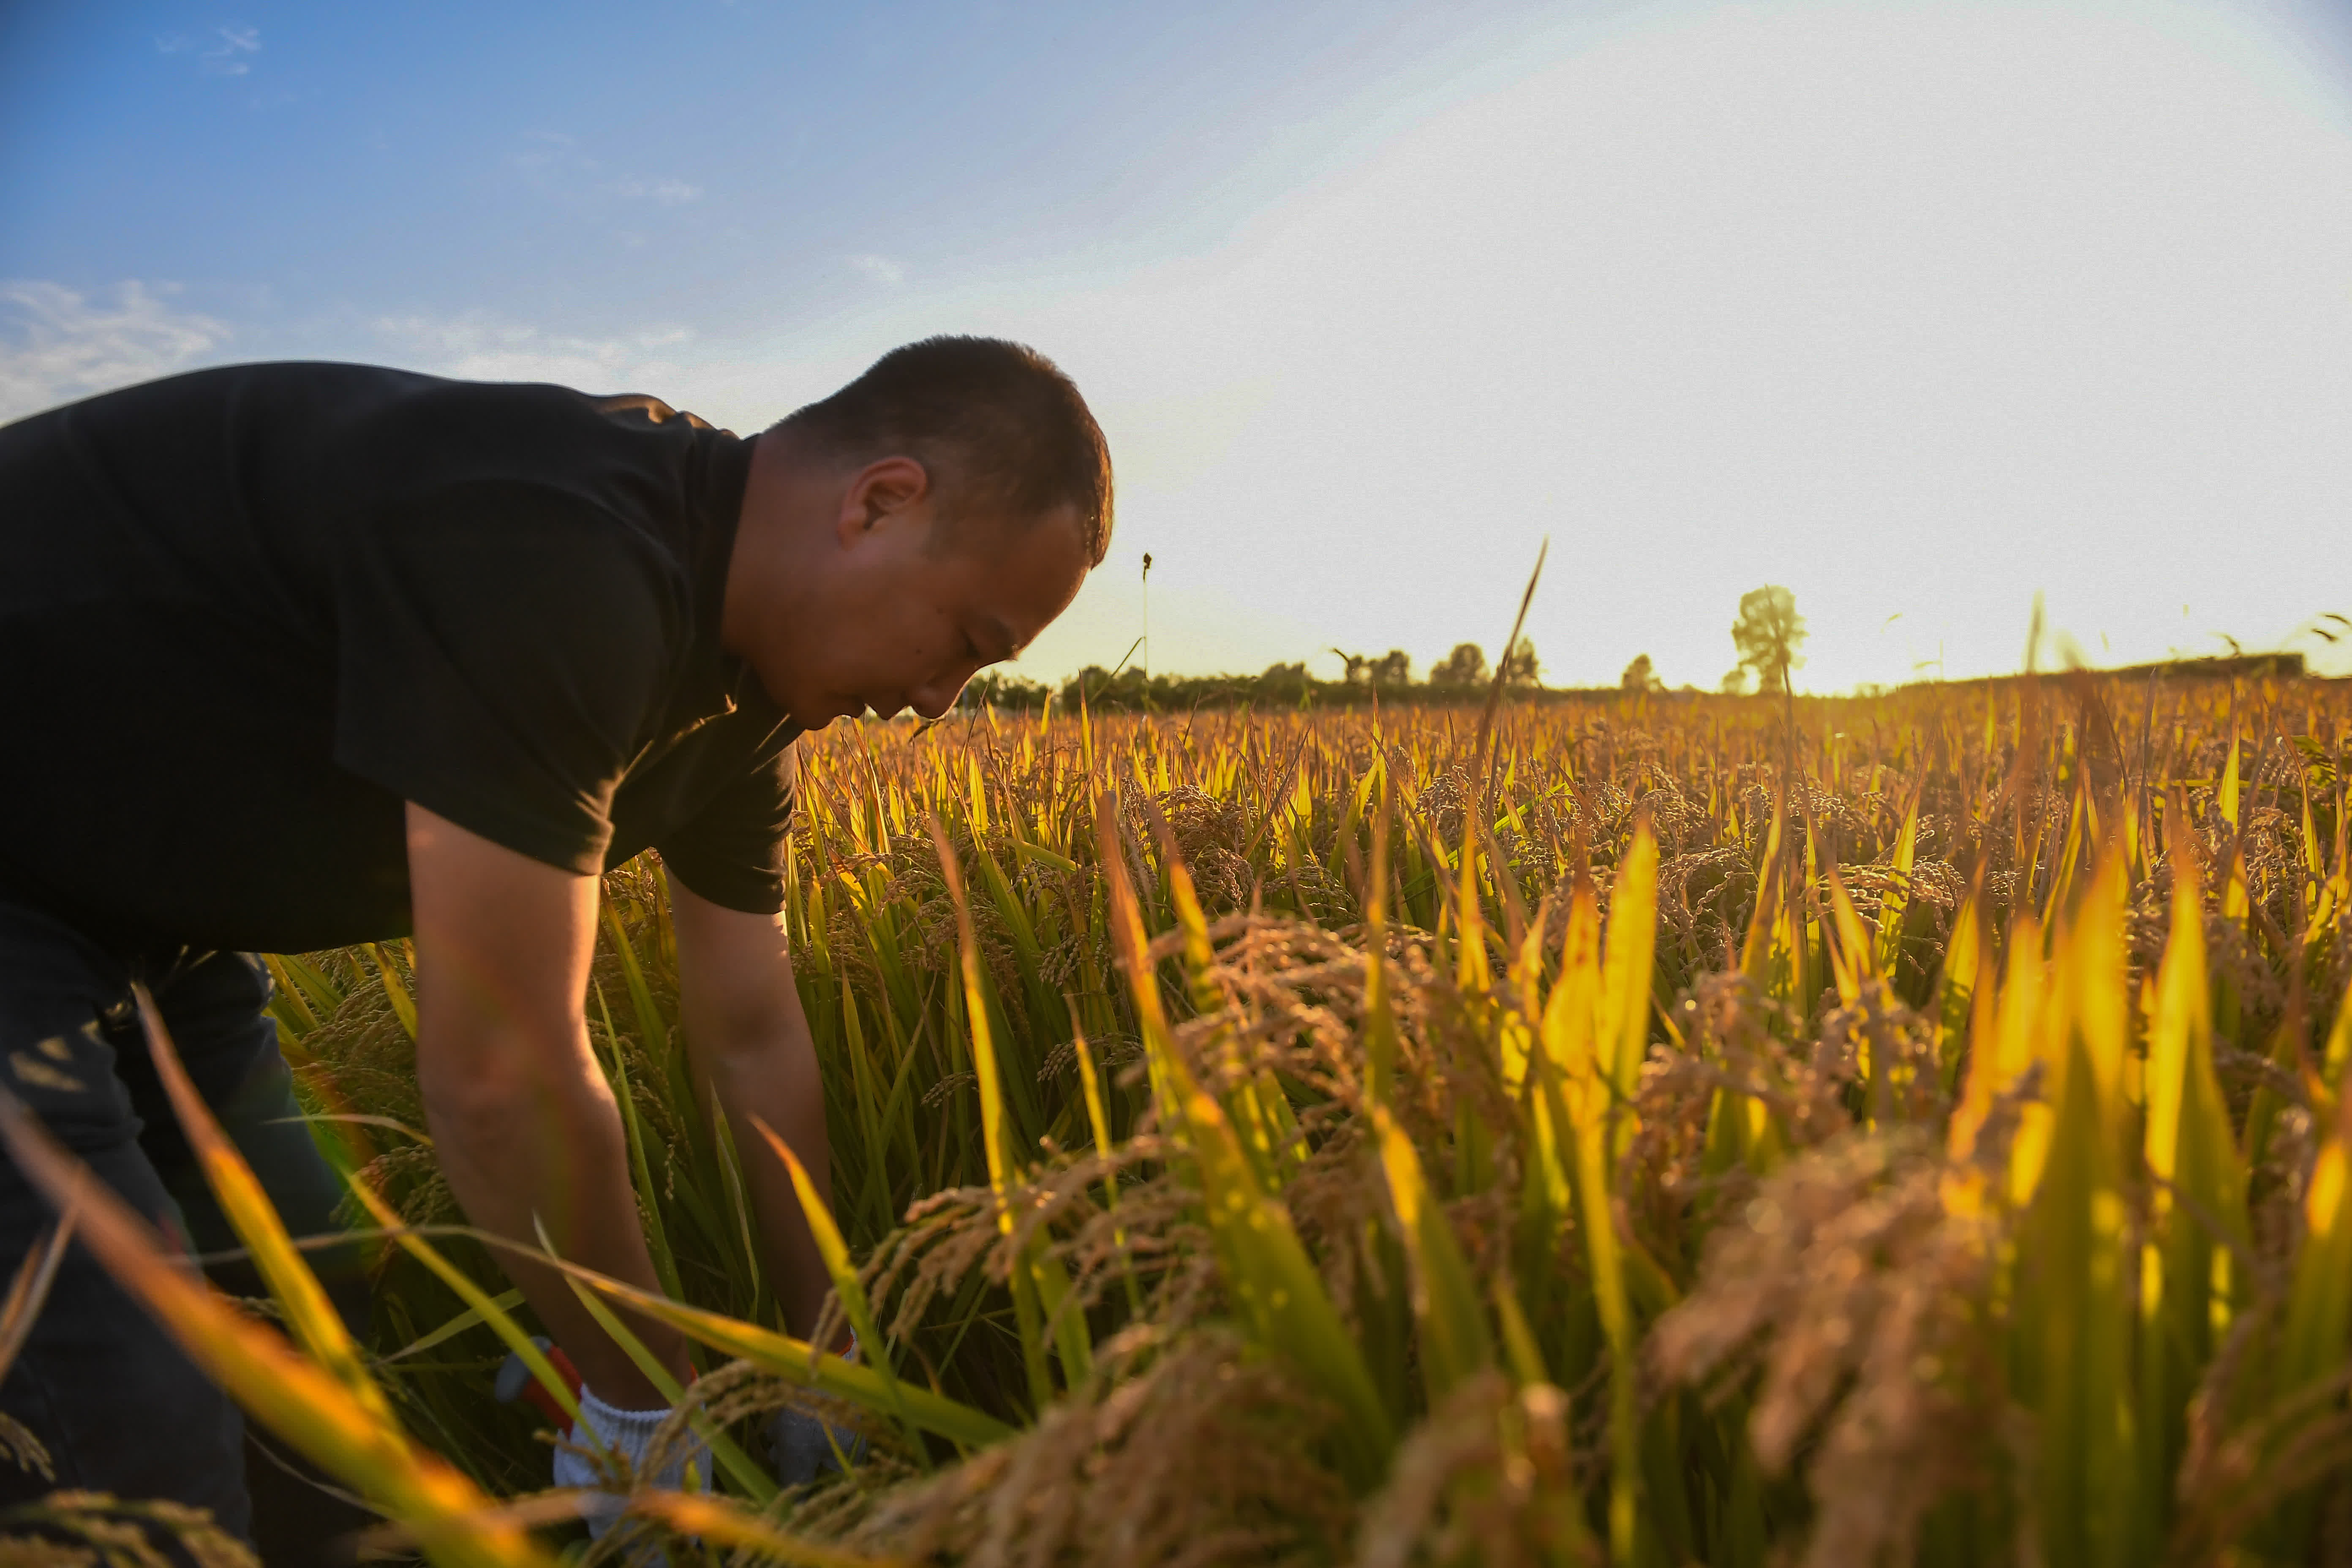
(102, 1387)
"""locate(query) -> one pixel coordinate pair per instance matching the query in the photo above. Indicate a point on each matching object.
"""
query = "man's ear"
(877, 491)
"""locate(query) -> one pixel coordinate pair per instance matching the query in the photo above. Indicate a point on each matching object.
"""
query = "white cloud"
(554, 163)
(227, 57)
(58, 346)
(879, 269)
(544, 150)
(669, 192)
(220, 52)
(480, 347)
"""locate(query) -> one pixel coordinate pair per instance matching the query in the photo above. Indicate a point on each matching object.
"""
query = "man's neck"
(766, 539)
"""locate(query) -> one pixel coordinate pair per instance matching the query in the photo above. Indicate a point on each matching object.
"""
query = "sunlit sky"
(1921, 310)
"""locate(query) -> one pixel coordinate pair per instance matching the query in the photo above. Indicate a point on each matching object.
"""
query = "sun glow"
(1920, 310)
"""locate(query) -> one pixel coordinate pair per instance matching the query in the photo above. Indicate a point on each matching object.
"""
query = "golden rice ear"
(1282, 1296)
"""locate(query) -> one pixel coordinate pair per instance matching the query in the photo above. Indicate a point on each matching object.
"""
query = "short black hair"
(997, 423)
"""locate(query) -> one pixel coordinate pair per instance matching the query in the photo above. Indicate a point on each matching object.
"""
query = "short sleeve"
(499, 658)
(733, 851)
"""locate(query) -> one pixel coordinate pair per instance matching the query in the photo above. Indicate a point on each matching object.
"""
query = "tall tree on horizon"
(1767, 635)
(1466, 666)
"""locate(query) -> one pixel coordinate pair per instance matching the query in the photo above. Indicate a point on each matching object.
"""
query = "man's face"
(897, 622)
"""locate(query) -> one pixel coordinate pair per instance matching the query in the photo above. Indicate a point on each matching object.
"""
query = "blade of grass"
(1039, 1283)
(310, 1317)
(757, 1484)
(718, 1523)
(2189, 1149)
(845, 1285)
(1098, 1122)
(28, 1290)
(1896, 902)
(1624, 1018)
(321, 995)
(780, 1355)
(403, 1005)
(746, 1253)
(1481, 760)
(1576, 1092)
(479, 1303)
(507, 1300)
(314, 1412)
(1455, 1344)
(641, 1174)
(651, 1028)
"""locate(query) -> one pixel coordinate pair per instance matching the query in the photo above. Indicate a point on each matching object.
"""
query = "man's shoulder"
(330, 399)
(631, 456)
(344, 424)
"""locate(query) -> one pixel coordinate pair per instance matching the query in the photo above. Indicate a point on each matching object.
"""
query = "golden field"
(1640, 1130)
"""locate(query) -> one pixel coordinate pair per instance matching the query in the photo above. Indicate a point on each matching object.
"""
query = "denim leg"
(101, 1386)
(213, 1005)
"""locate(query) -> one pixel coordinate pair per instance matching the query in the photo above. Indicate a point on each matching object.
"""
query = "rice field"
(1635, 1130)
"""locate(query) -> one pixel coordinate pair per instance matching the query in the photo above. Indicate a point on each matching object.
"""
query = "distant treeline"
(1461, 676)
(1458, 679)
(1284, 686)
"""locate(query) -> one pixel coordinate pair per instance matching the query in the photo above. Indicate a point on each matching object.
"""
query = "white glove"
(803, 1446)
(625, 1433)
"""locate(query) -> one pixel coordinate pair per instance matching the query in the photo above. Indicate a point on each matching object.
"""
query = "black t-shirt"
(246, 613)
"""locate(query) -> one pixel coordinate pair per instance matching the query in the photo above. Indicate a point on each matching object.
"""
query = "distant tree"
(1283, 682)
(1393, 667)
(1640, 676)
(1004, 691)
(1466, 666)
(1356, 667)
(1735, 682)
(1767, 635)
(1520, 667)
(1097, 687)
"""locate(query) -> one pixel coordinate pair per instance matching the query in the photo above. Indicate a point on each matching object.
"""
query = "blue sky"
(708, 163)
(1919, 309)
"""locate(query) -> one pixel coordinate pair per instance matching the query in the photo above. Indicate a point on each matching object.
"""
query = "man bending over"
(296, 656)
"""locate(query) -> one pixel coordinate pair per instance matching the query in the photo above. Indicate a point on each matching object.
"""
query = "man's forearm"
(555, 1152)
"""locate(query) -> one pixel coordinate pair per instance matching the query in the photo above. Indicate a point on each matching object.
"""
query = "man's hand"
(749, 1043)
(522, 1119)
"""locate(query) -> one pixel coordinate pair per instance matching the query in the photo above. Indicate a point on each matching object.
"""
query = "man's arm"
(522, 1119)
(749, 1041)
